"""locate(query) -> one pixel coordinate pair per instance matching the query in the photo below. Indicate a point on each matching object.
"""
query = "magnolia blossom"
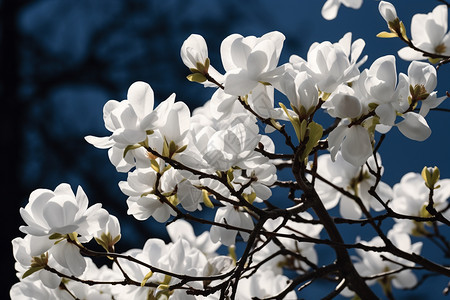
(429, 33)
(34, 290)
(423, 76)
(181, 229)
(262, 284)
(381, 85)
(24, 249)
(411, 196)
(373, 263)
(301, 90)
(61, 211)
(96, 291)
(354, 143)
(354, 179)
(331, 7)
(231, 216)
(124, 120)
(142, 202)
(133, 121)
(233, 147)
(250, 60)
(193, 51)
(332, 64)
(304, 249)
(179, 257)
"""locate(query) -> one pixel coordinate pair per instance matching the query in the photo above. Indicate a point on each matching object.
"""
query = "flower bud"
(194, 54)
(387, 11)
(431, 176)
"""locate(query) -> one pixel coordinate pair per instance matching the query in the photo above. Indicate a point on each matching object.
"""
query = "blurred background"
(61, 61)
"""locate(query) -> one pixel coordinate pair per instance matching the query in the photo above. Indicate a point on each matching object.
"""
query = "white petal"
(100, 142)
(355, 4)
(140, 95)
(387, 11)
(49, 279)
(414, 127)
(349, 209)
(405, 279)
(330, 9)
(356, 147)
(181, 229)
(238, 83)
(234, 52)
(407, 53)
(335, 139)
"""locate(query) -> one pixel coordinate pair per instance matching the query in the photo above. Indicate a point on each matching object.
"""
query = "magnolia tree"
(220, 158)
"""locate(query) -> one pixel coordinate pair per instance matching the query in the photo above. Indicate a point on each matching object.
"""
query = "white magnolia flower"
(35, 290)
(61, 211)
(194, 50)
(229, 215)
(411, 197)
(372, 263)
(233, 147)
(151, 254)
(354, 179)
(381, 85)
(142, 202)
(133, 122)
(331, 65)
(250, 60)
(429, 33)
(96, 291)
(262, 284)
(110, 234)
(423, 75)
(300, 89)
(353, 142)
(301, 248)
(179, 257)
(331, 7)
(24, 249)
(183, 229)
(68, 255)
(344, 103)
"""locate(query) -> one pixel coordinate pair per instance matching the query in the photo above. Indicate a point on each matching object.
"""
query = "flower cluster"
(220, 157)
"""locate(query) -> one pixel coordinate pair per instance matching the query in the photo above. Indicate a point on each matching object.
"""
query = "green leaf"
(154, 164)
(56, 236)
(130, 147)
(385, 34)
(315, 134)
(181, 149)
(196, 77)
(403, 31)
(166, 150)
(250, 197)
(230, 176)
(206, 200)
(206, 65)
(172, 148)
(303, 126)
(146, 278)
(31, 270)
(294, 121)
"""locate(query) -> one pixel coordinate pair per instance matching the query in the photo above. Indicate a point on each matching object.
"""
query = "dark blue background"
(62, 60)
